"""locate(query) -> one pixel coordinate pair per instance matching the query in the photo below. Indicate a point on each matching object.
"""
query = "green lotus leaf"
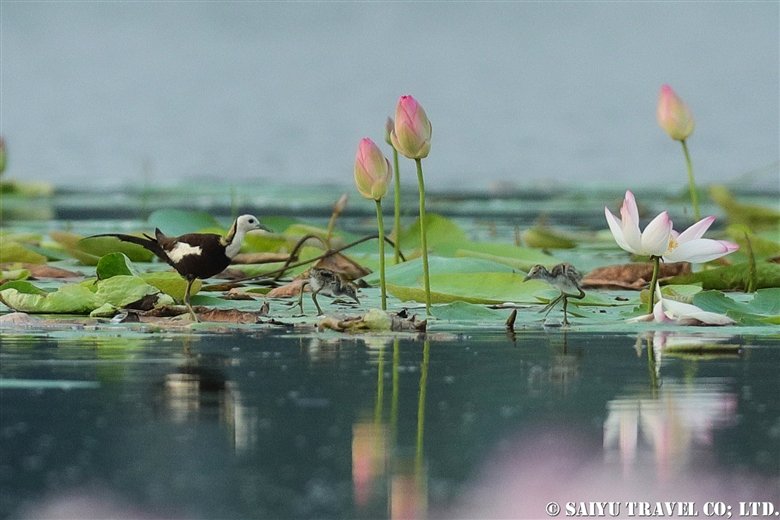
(411, 273)
(121, 290)
(545, 238)
(14, 274)
(171, 283)
(23, 287)
(101, 246)
(518, 257)
(444, 236)
(732, 277)
(15, 252)
(68, 299)
(114, 264)
(763, 308)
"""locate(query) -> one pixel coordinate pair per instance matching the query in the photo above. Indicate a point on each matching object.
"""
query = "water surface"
(273, 424)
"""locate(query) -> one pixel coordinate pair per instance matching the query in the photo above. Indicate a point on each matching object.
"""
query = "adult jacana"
(563, 277)
(196, 255)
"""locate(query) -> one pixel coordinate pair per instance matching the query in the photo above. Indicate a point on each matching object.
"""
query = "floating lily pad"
(15, 252)
(114, 264)
(732, 277)
(545, 238)
(762, 309)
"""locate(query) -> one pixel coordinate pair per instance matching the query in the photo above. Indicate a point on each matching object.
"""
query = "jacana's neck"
(233, 239)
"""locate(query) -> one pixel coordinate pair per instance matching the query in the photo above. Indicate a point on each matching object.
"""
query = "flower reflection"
(673, 421)
(369, 464)
(384, 474)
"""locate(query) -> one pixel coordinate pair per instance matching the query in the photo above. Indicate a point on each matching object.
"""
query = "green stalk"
(421, 405)
(395, 391)
(651, 366)
(691, 183)
(656, 268)
(424, 237)
(380, 387)
(381, 225)
(397, 209)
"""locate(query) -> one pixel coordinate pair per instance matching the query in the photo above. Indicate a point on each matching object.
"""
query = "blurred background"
(520, 94)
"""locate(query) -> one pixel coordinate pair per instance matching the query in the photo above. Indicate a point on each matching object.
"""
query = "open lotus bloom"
(653, 241)
(688, 246)
(659, 239)
(671, 311)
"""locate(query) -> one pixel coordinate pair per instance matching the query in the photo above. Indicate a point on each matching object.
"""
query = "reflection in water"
(379, 466)
(673, 419)
(395, 428)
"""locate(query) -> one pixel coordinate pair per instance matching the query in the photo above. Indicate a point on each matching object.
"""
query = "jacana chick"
(196, 255)
(329, 283)
(563, 277)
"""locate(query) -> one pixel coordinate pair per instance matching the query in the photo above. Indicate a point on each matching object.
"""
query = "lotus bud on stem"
(372, 177)
(411, 137)
(676, 119)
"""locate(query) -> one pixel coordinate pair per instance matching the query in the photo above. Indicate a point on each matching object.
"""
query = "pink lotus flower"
(653, 241)
(674, 116)
(688, 246)
(372, 170)
(411, 134)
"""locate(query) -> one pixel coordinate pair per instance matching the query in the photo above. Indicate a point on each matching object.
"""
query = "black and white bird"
(329, 283)
(563, 277)
(196, 255)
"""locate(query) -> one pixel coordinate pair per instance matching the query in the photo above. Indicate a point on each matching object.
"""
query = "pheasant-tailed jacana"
(563, 277)
(196, 255)
(326, 282)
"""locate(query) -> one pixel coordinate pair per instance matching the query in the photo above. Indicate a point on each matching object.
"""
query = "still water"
(270, 424)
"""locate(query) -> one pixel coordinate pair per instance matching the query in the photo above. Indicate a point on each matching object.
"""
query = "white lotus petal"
(655, 238)
(696, 230)
(629, 202)
(617, 231)
(700, 250)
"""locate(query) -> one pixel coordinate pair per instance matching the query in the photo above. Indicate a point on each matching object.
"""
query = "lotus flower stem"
(691, 183)
(421, 408)
(381, 228)
(651, 365)
(397, 209)
(656, 268)
(424, 237)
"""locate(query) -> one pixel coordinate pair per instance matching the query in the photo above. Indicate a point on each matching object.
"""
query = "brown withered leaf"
(347, 267)
(260, 258)
(41, 270)
(630, 276)
(228, 316)
(237, 293)
(286, 291)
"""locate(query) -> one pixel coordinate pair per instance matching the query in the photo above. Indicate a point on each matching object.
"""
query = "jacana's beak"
(264, 228)
(355, 298)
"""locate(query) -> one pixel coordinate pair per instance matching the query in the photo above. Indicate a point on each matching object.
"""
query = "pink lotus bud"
(411, 135)
(389, 126)
(372, 170)
(674, 116)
